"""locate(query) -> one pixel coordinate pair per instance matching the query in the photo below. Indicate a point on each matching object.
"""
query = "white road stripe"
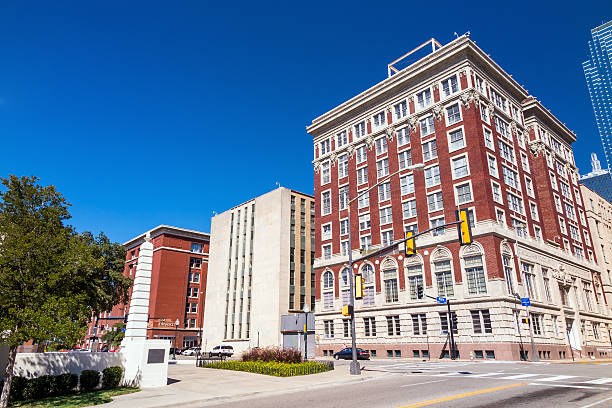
(445, 374)
(421, 383)
(517, 376)
(557, 378)
(570, 386)
(599, 381)
(485, 374)
(596, 403)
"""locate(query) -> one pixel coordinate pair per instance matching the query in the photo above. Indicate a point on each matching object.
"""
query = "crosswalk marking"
(557, 378)
(599, 381)
(484, 374)
(516, 377)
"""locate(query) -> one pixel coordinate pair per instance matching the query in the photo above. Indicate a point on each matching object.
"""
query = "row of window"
(481, 324)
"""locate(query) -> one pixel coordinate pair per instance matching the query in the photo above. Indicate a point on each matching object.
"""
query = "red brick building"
(489, 147)
(178, 286)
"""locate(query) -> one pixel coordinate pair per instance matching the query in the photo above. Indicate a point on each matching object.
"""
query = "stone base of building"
(475, 351)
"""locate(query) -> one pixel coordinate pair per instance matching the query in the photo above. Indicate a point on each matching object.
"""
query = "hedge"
(271, 368)
(23, 389)
(281, 355)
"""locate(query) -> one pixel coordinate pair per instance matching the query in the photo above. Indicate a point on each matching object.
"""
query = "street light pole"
(175, 338)
(355, 369)
(306, 311)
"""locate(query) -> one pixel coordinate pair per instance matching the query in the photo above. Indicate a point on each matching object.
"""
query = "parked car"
(192, 351)
(222, 351)
(178, 351)
(347, 354)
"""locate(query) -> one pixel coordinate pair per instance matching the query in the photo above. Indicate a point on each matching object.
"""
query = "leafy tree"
(114, 337)
(53, 278)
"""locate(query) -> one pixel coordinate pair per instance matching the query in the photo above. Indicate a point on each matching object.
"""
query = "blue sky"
(161, 113)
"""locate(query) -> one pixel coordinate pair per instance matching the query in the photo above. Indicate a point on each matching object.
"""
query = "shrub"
(111, 377)
(39, 387)
(90, 379)
(288, 355)
(272, 368)
(17, 386)
(66, 383)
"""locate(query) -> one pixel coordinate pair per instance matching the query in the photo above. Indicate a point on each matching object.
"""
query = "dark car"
(347, 354)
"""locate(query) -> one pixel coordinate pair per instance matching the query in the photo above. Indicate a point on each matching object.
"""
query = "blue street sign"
(122, 330)
(525, 302)
(441, 299)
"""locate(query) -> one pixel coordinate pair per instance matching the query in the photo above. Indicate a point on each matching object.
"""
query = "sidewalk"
(190, 386)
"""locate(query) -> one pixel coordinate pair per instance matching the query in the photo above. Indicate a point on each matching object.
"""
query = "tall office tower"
(178, 287)
(598, 73)
(489, 147)
(261, 268)
(598, 180)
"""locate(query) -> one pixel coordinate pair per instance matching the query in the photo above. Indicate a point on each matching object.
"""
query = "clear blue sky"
(163, 112)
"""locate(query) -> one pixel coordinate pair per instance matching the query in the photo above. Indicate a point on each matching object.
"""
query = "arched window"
(508, 264)
(328, 290)
(443, 270)
(473, 264)
(414, 276)
(346, 290)
(368, 284)
(389, 272)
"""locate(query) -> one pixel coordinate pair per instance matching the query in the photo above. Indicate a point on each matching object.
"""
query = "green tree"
(114, 337)
(53, 278)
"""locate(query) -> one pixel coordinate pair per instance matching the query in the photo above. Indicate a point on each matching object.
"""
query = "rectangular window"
(450, 86)
(515, 203)
(475, 275)
(444, 322)
(326, 203)
(519, 227)
(329, 328)
(529, 187)
(369, 324)
(536, 323)
(427, 126)
(393, 326)
(196, 248)
(453, 113)
(344, 226)
(346, 324)
(325, 173)
(407, 184)
(360, 130)
(194, 277)
(424, 99)
(499, 100)
(328, 300)
(529, 278)
(343, 166)
(366, 242)
(497, 197)
(342, 138)
(382, 168)
(325, 147)
(384, 192)
(415, 282)
(435, 202)
(456, 140)
(390, 281)
(381, 145)
(386, 216)
(362, 175)
(533, 209)
(364, 222)
(405, 159)
(506, 151)
(400, 110)
(488, 136)
(403, 136)
(463, 193)
(432, 176)
(524, 162)
(481, 321)
(327, 251)
(326, 232)
(444, 280)
(343, 198)
(361, 154)
(344, 248)
(460, 167)
(380, 119)
(492, 165)
(508, 271)
(409, 209)
(363, 201)
(430, 150)
(510, 177)
(484, 113)
(419, 324)
(386, 236)
(195, 263)
(435, 222)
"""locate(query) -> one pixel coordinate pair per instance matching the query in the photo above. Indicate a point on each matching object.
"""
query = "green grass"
(271, 368)
(76, 400)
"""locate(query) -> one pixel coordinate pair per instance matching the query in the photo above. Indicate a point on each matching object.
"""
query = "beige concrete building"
(599, 216)
(260, 268)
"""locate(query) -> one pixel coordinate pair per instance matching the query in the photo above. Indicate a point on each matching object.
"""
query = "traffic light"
(410, 245)
(420, 292)
(465, 231)
(358, 286)
(347, 310)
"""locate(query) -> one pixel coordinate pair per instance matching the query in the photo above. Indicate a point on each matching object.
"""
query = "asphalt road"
(409, 384)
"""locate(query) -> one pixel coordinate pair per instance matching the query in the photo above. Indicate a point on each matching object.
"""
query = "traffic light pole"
(450, 330)
(355, 369)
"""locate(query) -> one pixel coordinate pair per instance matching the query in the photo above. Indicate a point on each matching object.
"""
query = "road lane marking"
(454, 397)
(518, 376)
(596, 403)
(421, 383)
(599, 381)
(557, 378)
(485, 374)
(571, 386)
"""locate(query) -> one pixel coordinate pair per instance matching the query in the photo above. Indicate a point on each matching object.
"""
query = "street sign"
(525, 302)
(441, 299)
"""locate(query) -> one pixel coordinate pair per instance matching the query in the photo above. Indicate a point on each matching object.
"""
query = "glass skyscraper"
(598, 73)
